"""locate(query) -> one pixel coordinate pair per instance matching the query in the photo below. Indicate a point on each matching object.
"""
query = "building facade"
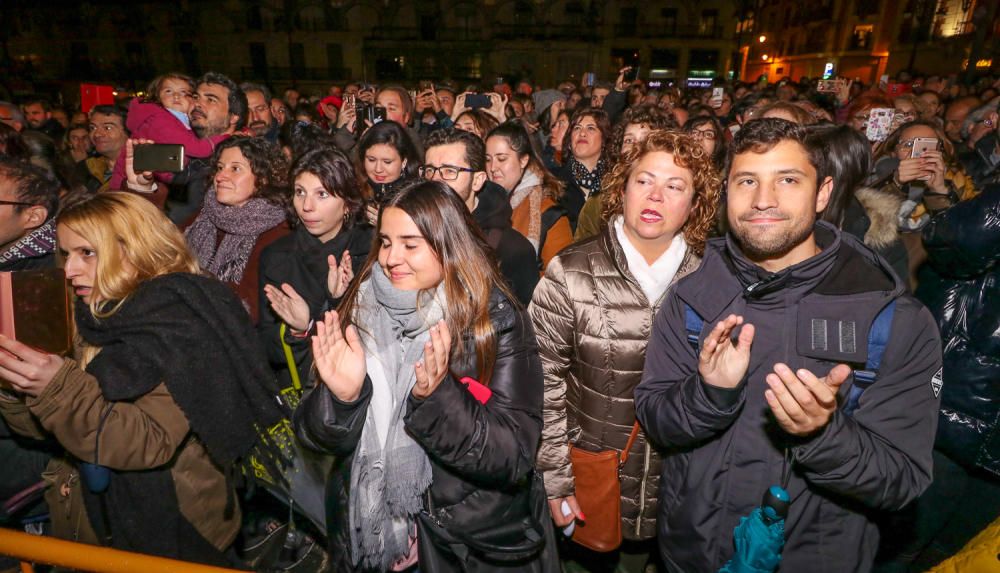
(311, 43)
(860, 39)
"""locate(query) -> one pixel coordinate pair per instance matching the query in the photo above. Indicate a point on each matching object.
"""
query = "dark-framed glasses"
(447, 172)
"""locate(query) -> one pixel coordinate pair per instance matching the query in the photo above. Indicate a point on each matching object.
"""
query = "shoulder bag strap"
(628, 445)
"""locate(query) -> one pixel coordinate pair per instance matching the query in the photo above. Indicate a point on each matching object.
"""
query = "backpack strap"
(878, 340)
(693, 325)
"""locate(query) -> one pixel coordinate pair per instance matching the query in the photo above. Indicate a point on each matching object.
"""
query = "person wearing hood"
(748, 377)
(867, 214)
(458, 158)
(329, 110)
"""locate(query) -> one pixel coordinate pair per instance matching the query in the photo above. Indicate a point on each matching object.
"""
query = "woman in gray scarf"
(431, 396)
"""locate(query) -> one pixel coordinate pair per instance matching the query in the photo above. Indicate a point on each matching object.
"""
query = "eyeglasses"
(908, 144)
(447, 172)
(21, 203)
(703, 134)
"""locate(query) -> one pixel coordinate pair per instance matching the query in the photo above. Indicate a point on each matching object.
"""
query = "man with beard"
(220, 107)
(755, 365)
(261, 122)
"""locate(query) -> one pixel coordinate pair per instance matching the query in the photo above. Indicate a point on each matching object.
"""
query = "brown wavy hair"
(470, 268)
(687, 153)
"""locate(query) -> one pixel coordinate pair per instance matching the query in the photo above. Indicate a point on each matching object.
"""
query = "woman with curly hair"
(660, 202)
(245, 210)
(534, 192)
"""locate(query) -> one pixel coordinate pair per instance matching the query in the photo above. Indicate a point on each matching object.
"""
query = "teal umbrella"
(760, 536)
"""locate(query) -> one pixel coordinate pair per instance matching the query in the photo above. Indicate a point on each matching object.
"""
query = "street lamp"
(762, 39)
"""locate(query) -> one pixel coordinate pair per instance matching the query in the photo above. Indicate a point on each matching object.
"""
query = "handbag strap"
(628, 445)
(293, 370)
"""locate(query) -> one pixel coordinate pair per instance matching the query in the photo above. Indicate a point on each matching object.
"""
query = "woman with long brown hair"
(430, 391)
(660, 201)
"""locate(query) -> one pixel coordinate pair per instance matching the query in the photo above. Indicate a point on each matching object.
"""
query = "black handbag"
(517, 531)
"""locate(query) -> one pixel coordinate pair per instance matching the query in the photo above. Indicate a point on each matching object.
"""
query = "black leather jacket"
(472, 447)
(962, 290)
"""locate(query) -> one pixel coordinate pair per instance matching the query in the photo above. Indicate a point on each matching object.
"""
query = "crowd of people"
(450, 297)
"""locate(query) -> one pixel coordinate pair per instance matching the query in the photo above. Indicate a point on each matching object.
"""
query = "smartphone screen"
(716, 99)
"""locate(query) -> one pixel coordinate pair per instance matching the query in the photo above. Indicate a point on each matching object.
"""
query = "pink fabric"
(153, 121)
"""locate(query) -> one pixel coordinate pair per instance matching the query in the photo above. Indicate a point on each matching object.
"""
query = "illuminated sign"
(828, 71)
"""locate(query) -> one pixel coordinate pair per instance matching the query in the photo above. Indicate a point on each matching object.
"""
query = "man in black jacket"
(785, 307)
(458, 158)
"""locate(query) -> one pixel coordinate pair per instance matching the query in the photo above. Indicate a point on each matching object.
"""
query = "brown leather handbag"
(598, 491)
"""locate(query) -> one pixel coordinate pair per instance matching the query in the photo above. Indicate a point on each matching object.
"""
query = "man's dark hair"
(475, 149)
(46, 106)
(237, 99)
(761, 135)
(248, 87)
(32, 185)
(110, 109)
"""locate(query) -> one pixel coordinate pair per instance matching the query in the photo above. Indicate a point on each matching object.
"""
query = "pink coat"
(152, 121)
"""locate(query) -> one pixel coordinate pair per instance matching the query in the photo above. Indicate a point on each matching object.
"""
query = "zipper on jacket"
(642, 490)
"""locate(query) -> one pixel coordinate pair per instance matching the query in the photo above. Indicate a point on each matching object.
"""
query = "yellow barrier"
(51, 551)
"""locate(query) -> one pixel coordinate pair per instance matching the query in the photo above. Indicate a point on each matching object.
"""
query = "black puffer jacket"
(488, 448)
(515, 254)
(962, 290)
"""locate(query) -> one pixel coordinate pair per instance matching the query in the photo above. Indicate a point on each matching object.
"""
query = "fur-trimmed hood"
(882, 210)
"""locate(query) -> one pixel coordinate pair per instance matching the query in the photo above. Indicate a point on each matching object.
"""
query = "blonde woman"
(164, 398)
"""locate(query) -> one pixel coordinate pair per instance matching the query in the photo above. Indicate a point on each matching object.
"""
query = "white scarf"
(653, 278)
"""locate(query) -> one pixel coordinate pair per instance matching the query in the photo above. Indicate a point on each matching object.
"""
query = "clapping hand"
(339, 276)
(721, 362)
(433, 368)
(289, 306)
(801, 402)
(339, 358)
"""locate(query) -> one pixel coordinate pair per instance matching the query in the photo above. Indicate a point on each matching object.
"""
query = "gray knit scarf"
(388, 482)
(242, 226)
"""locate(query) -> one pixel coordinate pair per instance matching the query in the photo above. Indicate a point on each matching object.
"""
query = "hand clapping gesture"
(340, 275)
(293, 309)
(433, 368)
(721, 362)
(801, 402)
(339, 358)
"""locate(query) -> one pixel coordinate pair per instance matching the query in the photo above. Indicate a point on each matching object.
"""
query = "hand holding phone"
(158, 157)
(922, 145)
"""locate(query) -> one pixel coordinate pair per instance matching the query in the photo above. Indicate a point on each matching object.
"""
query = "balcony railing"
(277, 73)
(545, 32)
(399, 33)
(665, 32)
